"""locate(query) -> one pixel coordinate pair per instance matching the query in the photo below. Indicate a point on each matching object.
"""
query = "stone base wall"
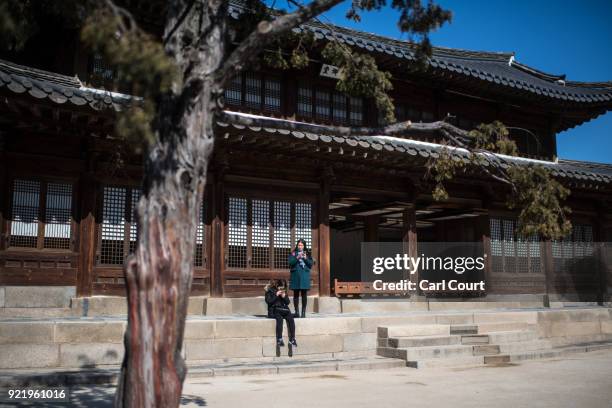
(92, 342)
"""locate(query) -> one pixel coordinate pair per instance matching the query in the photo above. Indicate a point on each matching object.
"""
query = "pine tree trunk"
(159, 273)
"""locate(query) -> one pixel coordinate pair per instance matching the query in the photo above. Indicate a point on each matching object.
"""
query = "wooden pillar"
(217, 264)
(546, 250)
(4, 195)
(87, 230)
(324, 233)
(410, 239)
(599, 251)
(370, 232)
(484, 235)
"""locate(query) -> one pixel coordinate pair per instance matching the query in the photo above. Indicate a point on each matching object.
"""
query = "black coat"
(274, 301)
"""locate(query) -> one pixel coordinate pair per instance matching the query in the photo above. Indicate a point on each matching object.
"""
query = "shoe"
(293, 342)
(296, 315)
(303, 313)
(280, 343)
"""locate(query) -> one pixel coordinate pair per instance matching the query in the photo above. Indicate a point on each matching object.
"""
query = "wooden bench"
(354, 289)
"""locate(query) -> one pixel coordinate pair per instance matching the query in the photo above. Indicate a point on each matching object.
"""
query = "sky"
(569, 37)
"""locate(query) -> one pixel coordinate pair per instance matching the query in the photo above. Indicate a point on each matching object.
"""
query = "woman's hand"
(279, 292)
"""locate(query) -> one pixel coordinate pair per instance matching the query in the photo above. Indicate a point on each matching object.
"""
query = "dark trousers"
(296, 299)
(279, 315)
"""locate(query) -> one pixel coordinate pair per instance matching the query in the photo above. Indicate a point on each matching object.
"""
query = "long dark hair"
(295, 249)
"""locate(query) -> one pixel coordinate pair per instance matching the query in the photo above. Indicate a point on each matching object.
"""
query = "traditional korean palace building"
(68, 186)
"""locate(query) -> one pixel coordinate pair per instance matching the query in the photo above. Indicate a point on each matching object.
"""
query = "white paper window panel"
(26, 199)
(282, 224)
(303, 222)
(237, 222)
(113, 213)
(260, 216)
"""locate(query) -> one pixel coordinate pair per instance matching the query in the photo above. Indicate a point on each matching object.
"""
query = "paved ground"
(583, 381)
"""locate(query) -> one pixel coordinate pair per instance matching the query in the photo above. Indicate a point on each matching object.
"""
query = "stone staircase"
(447, 345)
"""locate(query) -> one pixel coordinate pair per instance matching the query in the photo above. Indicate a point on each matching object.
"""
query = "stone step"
(447, 362)
(35, 312)
(464, 329)
(499, 337)
(421, 341)
(27, 378)
(474, 339)
(485, 328)
(520, 346)
(485, 349)
(419, 353)
(411, 330)
(512, 336)
(545, 353)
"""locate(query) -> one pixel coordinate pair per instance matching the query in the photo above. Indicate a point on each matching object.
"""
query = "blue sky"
(569, 37)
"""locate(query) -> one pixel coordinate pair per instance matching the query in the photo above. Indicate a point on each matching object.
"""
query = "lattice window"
(282, 234)
(572, 248)
(260, 241)
(356, 106)
(264, 231)
(339, 107)
(58, 207)
(303, 222)
(100, 68)
(272, 95)
(198, 257)
(512, 252)
(253, 91)
(113, 226)
(25, 208)
(233, 92)
(32, 228)
(119, 229)
(237, 233)
(304, 101)
(322, 104)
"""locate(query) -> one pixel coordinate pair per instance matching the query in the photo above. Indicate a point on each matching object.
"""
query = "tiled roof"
(490, 67)
(58, 88)
(592, 172)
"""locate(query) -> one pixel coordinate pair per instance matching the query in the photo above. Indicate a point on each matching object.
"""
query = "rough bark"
(159, 273)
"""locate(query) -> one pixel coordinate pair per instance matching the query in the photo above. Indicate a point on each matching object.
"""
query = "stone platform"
(247, 342)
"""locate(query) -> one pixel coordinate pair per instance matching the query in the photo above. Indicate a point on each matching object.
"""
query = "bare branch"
(395, 129)
(266, 32)
(123, 15)
(178, 22)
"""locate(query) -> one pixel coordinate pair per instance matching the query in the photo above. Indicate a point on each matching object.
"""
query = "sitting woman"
(278, 308)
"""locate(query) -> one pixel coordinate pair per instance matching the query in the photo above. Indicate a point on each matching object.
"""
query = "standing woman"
(300, 263)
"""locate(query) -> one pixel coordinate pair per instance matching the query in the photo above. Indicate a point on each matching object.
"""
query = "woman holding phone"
(300, 262)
